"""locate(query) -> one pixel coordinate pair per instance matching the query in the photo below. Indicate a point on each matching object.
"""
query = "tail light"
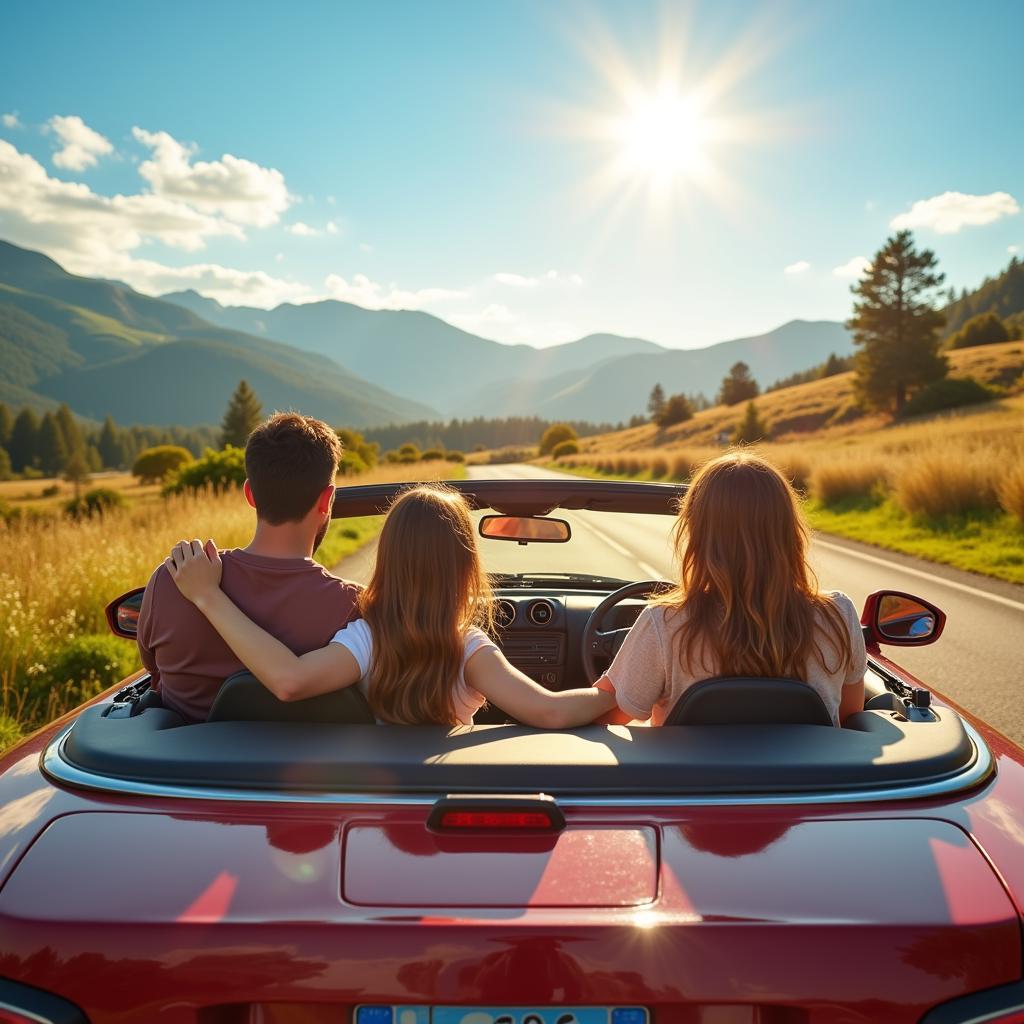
(22, 1004)
(1003, 1005)
(535, 814)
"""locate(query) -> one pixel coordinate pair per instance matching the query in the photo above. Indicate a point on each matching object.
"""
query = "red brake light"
(499, 812)
(495, 819)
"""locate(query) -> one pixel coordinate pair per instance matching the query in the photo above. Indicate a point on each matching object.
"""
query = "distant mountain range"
(104, 348)
(602, 377)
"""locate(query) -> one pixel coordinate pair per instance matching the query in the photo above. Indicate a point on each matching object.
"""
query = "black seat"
(243, 698)
(749, 701)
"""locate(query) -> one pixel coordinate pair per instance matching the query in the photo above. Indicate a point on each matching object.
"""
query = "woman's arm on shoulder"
(489, 672)
(196, 571)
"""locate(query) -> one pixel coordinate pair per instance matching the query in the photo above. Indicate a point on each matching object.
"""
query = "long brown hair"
(428, 587)
(751, 599)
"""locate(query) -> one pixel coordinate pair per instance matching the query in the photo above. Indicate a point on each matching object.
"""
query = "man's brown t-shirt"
(294, 599)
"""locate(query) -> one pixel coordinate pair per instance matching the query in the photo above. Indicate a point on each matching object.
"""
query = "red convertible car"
(297, 863)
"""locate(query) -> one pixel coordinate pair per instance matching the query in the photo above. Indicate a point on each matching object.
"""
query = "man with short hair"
(290, 463)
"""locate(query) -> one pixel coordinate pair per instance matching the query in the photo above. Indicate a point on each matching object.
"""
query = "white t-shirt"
(357, 638)
(648, 677)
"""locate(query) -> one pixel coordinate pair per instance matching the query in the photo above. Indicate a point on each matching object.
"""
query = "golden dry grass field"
(57, 574)
(948, 487)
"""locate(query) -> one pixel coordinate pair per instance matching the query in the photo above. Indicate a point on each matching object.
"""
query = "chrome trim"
(57, 769)
(26, 1014)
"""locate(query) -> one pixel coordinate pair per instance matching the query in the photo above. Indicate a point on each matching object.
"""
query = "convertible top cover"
(525, 497)
(875, 752)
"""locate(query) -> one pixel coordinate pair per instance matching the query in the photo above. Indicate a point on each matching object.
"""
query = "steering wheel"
(595, 642)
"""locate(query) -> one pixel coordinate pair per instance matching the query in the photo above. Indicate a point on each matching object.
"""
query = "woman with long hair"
(421, 653)
(747, 602)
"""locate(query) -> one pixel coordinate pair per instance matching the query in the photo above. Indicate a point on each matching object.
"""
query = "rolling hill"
(417, 353)
(104, 348)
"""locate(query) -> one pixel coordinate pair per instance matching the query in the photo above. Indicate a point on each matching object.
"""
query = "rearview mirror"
(123, 613)
(525, 529)
(902, 620)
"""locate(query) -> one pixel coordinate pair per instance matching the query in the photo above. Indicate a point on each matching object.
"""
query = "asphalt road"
(978, 661)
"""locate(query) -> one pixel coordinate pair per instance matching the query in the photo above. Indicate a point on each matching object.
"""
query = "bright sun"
(664, 136)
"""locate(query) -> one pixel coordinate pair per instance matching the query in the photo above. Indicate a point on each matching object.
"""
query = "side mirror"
(123, 613)
(903, 620)
(525, 529)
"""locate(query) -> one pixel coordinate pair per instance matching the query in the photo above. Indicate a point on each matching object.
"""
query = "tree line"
(57, 442)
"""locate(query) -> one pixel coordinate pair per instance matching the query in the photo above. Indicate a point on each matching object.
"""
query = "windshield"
(605, 544)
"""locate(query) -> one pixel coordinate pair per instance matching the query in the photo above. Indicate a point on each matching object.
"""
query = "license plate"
(501, 1015)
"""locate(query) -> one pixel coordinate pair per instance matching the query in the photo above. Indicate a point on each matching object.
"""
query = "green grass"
(991, 545)
(345, 537)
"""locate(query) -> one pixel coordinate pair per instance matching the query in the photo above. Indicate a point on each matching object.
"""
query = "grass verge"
(990, 544)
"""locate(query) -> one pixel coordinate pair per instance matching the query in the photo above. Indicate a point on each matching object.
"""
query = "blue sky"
(481, 160)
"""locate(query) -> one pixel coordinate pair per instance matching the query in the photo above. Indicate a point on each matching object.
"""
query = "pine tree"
(895, 324)
(751, 428)
(76, 471)
(69, 430)
(52, 453)
(110, 447)
(243, 414)
(833, 365)
(738, 386)
(24, 444)
(656, 402)
(6, 425)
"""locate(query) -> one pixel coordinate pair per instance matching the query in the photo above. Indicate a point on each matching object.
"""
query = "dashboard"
(541, 632)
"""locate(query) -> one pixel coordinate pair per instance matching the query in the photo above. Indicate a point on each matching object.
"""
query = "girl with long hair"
(747, 602)
(421, 653)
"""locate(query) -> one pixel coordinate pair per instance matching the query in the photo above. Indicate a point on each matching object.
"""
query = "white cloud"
(551, 277)
(11, 120)
(240, 190)
(85, 230)
(331, 200)
(1013, 249)
(372, 295)
(948, 213)
(332, 227)
(800, 267)
(81, 147)
(364, 247)
(853, 268)
(228, 286)
(302, 230)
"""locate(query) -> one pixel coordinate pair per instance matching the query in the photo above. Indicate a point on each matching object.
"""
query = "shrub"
(154, 464)
(86, 665)
(683, 467)
(564, 448)
(351, 463)
(556, 434)
(94, 503)
(983, 329)
(433, 455)
(947, 393)
(936, 486)
(1011, 491)
(50, 492)
(9, 513)
(5, 464)
(354, 442)
(751, 428)
(846, 480)
(10, 732)
(454, 457)
(659, 468)
(216, 471)
(678, 409)
(408, 453)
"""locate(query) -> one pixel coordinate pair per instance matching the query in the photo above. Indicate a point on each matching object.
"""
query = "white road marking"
(645, 567)
(974, 591)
